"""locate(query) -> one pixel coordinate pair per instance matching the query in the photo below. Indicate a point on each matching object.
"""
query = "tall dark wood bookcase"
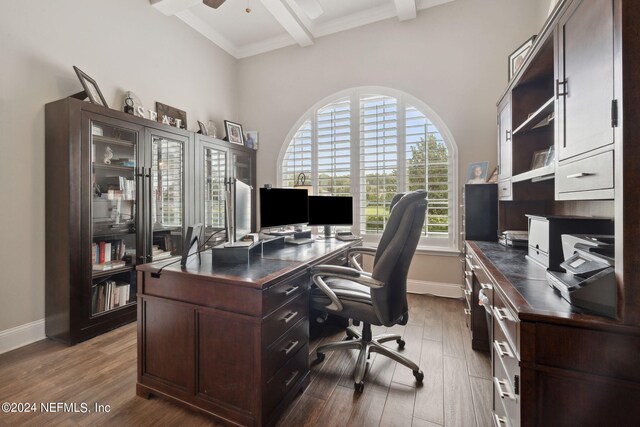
(120, 191)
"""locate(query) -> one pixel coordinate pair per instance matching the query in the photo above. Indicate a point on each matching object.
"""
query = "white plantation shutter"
(372, 146)
(333, 129)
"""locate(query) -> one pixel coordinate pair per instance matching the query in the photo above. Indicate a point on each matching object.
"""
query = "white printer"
(589, 281)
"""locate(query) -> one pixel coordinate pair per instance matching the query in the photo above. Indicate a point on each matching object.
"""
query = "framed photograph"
(171, 116)
(251, 139)
(477, 173)
(90, 88)
(516, 59)
(234, 132)
(539, 159)
(203, 129)
(551, 156)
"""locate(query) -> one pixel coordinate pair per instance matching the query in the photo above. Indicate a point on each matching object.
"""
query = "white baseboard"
(19, 336)
(447, 290)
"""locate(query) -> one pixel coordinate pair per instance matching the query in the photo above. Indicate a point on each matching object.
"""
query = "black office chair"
(377, 298)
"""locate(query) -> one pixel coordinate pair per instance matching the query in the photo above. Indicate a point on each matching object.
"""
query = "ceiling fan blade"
(213, 3)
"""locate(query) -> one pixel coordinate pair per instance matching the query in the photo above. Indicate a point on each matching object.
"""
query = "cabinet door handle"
(292, 377)
(468, 273)
(289, 317)
(467, 292)
(503, 389)
(467, 311)
(290, 347)
(291, 290)
(500, 421)
(507, 135)
(579, 175)
(469, 257)
(487, 286)
(502, 348)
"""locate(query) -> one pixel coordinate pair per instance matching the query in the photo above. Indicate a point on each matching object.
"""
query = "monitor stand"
(327, 232)
(300, 238)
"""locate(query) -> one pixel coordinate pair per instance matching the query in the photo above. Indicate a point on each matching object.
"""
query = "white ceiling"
(273, 24)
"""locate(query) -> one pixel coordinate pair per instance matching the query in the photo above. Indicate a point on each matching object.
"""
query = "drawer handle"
(291, 290)
(469, 257)
(467, 292)
(290, 316)
(467, 311)
(468, 273)
(291, 346)
(580, 175)
(289, 380)
(502, 348)
(503, 314)
(487, 286)
(500, 421)
(503, 389)
(342, 259)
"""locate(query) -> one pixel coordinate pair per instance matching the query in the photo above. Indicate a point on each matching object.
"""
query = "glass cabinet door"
(214, 194)
(167, 194)
(114, 216)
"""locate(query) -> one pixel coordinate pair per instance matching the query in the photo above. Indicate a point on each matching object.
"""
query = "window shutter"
(333, 124)
(298, 157)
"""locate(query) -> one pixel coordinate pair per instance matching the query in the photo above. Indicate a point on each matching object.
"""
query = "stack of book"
(107, 255)
(159, 254)
(108, 295)
(119, 187)
(515, 238)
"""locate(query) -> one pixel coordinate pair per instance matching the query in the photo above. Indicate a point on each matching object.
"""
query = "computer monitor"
(242, 210)
(283, 206)
(191, 244)
(330, 210)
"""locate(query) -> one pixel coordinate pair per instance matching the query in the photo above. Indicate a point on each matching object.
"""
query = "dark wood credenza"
(230, 341)
(552, 364)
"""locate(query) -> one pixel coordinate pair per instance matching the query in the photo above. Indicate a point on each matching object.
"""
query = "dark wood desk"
(231, 341)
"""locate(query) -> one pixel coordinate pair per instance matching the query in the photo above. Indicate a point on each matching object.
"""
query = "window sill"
(429, 250)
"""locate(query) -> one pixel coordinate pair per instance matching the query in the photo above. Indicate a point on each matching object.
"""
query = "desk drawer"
(284, 318)
(278, 294)
(592, 173)
(506, 321)
(505, 354)
(282, 350)
(504, 190)
(338, 259)
(286, 378)
(505, 396)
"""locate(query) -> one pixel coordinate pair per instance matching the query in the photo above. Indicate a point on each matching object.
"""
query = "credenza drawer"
(288, 289)
(285, 379)
(282, 350)
(505, 354)
(506, 321)
(504, 394)
(592, 173)
(284, 318)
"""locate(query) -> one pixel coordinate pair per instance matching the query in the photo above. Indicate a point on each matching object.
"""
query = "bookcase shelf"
(537, 119)
(128, 169)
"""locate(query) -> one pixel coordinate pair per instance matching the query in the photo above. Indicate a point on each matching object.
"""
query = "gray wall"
(452, 57)
(123, 45)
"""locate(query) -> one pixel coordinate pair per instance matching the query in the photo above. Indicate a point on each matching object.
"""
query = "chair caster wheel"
(401, 343)
(320, 357)
(419, 376)
(359, 387)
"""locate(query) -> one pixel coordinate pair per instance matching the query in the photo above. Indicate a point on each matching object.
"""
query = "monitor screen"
(242, 210)
(283, 206)
(330, 210)
(191, 244)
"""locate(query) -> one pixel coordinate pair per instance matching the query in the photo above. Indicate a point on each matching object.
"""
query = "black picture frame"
(236, 137)
(203, 129)
(172, 115)
(517, 58)
(91, 88)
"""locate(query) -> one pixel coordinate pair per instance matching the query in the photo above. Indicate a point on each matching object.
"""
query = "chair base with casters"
(365, 343)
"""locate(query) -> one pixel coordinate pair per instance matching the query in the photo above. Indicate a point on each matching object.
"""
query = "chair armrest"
(320, 272)
(357, 250)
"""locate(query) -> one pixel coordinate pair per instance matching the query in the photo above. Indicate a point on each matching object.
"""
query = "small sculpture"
(108, 155)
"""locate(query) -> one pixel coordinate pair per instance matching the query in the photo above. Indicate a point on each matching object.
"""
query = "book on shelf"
(110, 265)
(108, 295)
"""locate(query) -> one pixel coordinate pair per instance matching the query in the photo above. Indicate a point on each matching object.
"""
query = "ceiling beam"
(406, 9)
(171, 7)
(289, 21)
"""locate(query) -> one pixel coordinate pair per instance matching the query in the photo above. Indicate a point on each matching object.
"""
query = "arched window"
(373, 143)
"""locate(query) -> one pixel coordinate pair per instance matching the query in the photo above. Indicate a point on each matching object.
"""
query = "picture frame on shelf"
(517, 58)
(234, 132)
(171, 116)
(203, 129)
(539, 159)
(91, 88)
(493, 178)
(251, 139)
(477, 173)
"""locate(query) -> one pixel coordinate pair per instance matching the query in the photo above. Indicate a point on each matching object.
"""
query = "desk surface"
(261, 270)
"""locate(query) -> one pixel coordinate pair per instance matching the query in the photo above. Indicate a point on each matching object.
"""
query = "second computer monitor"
(280, 207)
(330, 210)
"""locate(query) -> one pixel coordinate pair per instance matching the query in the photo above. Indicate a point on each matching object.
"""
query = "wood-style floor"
(456, 389)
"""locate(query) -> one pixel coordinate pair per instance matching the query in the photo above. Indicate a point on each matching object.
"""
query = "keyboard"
(348, 237)
(302, 241)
